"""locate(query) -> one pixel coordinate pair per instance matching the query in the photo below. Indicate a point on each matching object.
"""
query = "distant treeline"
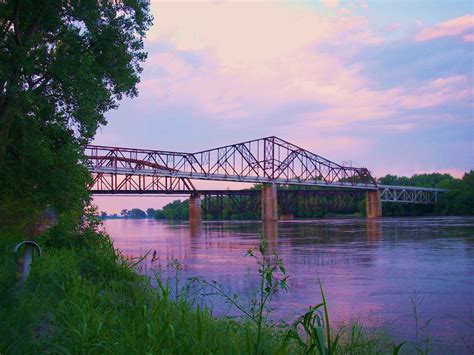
(134, 213)
(458, 201)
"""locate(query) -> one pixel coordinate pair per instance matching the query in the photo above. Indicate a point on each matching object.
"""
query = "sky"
(387, 85)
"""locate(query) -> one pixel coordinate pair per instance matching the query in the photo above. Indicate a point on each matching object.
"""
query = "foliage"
(63, 65)
(434, 180)
(134, 213)
(175, 210)
(458, 201)
(150, 213)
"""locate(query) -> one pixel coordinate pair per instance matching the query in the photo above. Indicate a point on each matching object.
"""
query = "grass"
(87, 299)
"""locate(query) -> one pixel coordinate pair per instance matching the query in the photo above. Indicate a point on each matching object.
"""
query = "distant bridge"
(269, 161)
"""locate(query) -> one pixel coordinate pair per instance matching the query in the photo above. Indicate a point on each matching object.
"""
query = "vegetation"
(175, 210)
(83, 297)
(134, 213)
(63, 65)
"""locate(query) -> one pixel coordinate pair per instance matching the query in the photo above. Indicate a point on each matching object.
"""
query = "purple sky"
(386, 85)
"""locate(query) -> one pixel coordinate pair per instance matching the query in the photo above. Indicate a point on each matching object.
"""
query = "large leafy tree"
(63, 64)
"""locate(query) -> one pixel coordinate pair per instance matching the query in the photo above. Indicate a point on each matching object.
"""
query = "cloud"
(395, 25)
(256, 61)
(330, 3)
(458, 26)
(438, 92)
(468, 37)
(254, 58)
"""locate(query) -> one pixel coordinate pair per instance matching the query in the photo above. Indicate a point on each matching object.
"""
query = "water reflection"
(369, 268)
(195, 229)
(374, 230)
(270, 230)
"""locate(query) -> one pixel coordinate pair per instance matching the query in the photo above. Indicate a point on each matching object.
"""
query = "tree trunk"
(5, 126)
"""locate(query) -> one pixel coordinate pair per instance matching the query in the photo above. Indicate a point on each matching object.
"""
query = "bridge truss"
(407, 194)
(265, 160)
(111, 184)
(272, 160)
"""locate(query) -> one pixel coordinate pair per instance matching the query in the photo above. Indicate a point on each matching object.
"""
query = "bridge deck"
(401, 194)
(270, 160)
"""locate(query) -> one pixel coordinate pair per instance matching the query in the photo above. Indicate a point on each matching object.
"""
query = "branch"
(16, 17)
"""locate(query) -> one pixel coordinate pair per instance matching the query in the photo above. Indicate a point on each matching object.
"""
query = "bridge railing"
(409, 194)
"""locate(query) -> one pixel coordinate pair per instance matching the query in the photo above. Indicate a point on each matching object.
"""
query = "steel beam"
(265, 160)
(269, 160)
(407, 194)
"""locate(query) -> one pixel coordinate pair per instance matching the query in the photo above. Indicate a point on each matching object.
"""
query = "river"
(371, 271)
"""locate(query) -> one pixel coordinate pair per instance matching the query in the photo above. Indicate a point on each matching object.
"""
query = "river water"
(371, 271)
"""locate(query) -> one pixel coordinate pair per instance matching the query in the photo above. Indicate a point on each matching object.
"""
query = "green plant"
(313, 335)
(423, 340)
(272, 278)
(312, 331)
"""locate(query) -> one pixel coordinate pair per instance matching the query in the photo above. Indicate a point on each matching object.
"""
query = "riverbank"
(87, 299)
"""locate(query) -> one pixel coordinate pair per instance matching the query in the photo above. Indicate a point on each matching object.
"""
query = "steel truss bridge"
(269, 160)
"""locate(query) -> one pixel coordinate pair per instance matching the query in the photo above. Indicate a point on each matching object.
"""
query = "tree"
(458, 201)
(63, 64)
(137, 213)
(150, 213)
(175, 210)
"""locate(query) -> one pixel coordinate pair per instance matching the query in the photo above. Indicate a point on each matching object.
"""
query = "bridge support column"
(269, 203)
(373, 204)
(195, 208)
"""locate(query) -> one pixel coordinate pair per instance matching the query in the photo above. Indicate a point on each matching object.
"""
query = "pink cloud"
(438, 92)
(243, 33)
(247, 72)
(330, 3)
(395, 25)
(454, 27)
(468, 37)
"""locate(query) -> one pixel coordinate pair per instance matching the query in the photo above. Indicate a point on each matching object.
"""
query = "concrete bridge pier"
(373, 204)
(195, 209)
(269, 203)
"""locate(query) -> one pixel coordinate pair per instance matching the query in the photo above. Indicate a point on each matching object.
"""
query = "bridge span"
(269, 161)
